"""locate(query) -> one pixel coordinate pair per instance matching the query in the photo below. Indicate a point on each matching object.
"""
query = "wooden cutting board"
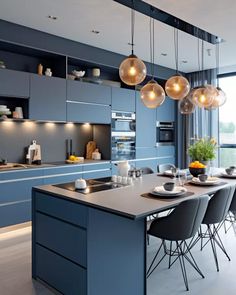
(90, 148)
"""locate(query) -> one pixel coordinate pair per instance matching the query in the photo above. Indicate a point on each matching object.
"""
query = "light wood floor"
(15, 269)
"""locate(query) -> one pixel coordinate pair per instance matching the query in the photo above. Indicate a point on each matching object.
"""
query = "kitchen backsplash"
(16, 136)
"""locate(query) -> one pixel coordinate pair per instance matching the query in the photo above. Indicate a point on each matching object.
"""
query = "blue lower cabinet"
(14, 213)
(60, 273)
(61, 178)
(97, 174)
(168, 160)
(150, 163)
(166, 151)
(15, 201)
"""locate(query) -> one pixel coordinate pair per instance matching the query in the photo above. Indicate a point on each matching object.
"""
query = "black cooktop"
(93, 186)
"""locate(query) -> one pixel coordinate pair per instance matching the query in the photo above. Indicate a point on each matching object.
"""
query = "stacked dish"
(4, 110)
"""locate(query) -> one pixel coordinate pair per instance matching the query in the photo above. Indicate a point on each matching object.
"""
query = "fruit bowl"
(196, 171)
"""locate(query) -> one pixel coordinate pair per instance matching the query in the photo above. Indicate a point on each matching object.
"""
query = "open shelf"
(12, 103)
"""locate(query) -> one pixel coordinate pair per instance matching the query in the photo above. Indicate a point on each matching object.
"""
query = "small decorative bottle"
(40, 69)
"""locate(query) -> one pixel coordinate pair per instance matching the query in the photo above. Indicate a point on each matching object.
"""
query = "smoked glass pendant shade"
(203, 97)
(218, 100)
(186, 106)
(132, 70)
(177, 87)
(152, 94)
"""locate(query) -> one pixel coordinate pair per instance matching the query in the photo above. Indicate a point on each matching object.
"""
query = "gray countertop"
(127, 201)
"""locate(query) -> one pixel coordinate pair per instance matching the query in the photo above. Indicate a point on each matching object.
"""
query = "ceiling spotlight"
(52, 17)
(184, 61)
(164, 54)
(95, 32)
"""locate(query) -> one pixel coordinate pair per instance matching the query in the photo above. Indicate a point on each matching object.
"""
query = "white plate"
(209, 181)
(177, 191)
(228, 176)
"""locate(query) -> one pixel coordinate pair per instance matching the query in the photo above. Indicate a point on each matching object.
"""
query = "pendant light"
(220, 98)
(204, 95)
(152, 94)
(177, 87)
(132, 70)
(186, 105)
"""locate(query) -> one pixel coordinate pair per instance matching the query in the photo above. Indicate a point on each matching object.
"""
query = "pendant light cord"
(132, 26)
(151, 35)
(203, 73)
(217, 62)
(176, 45)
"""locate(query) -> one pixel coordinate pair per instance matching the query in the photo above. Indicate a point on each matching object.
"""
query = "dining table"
(96, 243)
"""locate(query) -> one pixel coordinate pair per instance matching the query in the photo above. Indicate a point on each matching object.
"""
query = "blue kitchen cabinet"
(167, 160)
(97, 171)
(167, 111)
(123, 99)
(88, 113)
(166, 151)
(88, 92)
(14, 83)
(15, 200)
(62, 174)
(150, 163)
(47, 98)
(145, 124)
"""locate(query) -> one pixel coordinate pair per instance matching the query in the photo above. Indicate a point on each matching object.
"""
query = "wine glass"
(174, 171)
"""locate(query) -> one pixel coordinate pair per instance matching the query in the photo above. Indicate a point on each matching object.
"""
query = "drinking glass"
(174, 171)
(183, 178)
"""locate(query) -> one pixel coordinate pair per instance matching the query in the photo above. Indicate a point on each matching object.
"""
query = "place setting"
(229, 173)
(170, 189)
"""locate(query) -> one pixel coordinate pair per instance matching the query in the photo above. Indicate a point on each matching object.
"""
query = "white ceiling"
(76, 19)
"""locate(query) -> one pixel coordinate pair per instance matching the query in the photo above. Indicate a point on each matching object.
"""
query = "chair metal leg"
(182, 264)
(213, 246)
(149, 272)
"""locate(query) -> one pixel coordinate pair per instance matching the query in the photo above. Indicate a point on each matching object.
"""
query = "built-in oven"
(123, 136)
(165, 133)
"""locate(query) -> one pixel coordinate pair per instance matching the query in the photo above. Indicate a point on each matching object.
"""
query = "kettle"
(123, 168)
(80, 183)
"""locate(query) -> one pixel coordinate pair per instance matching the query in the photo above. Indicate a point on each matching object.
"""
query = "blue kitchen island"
(95, 243)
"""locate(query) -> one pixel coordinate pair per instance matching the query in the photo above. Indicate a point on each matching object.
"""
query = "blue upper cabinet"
(88, 92)
(14, 84)
(123, 100)
(145, 124)
(88, 113)
(167, 111)
(47, 98)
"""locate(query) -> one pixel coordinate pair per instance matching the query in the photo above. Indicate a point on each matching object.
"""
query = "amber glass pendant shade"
(177, 87)
(204, 96)
(152, 94)
(186, 105)
(132, 70)
(218, 100)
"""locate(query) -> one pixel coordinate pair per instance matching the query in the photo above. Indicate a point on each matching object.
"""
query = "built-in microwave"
(165, 132)
(123, 122)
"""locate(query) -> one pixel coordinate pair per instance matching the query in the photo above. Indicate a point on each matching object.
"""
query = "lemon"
(72, 158)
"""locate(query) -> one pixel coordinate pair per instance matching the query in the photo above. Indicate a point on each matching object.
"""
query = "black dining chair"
(181, 224)
(146, 170)
(161, 168)
(216, 213)
(231, 216)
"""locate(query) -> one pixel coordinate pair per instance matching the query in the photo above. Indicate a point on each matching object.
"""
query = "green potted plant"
(203, 150)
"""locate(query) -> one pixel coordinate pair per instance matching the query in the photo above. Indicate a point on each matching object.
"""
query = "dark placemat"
(207, 185)
(165, 198)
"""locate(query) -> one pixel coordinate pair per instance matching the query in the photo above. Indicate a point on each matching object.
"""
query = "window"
(227, 122)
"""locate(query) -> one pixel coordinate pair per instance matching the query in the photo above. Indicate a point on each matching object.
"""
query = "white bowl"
(78, 74)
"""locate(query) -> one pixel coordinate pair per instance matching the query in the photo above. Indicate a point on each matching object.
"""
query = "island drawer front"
(96, 167)
(64, 210)
(60, 273)
(63, 238)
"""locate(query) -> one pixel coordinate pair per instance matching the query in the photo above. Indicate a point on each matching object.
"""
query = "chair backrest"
(147, 170)
(232, 207)
(164, 167)
(218, 206)
(183, 222)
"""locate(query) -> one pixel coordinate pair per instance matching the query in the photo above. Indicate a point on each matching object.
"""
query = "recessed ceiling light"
(52, 17)
(164, 54)
(184, 61)
(95, 32)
